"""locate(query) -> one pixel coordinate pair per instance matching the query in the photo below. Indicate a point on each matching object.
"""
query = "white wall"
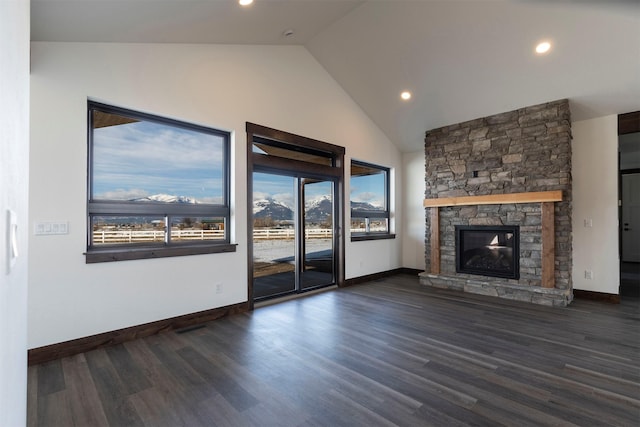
(220, 86)
(14, 167)
(414, 221)
(595, 198)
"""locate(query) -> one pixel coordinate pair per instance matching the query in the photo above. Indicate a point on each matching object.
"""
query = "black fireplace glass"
(488, 250)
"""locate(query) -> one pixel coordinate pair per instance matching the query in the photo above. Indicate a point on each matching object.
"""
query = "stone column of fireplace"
(525, 150)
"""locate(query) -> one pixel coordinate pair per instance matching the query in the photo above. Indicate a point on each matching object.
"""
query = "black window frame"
(372, 214)
(167, 248)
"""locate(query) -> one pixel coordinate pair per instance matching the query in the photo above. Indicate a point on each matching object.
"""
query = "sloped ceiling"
(460, 59)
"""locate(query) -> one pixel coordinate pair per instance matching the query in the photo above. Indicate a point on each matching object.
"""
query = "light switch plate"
(50, 227)
(12, 239)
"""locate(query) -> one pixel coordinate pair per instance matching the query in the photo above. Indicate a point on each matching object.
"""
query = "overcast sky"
(144, 158)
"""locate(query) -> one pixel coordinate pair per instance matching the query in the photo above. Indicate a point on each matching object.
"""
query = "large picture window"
(369, 202)
(157, 187)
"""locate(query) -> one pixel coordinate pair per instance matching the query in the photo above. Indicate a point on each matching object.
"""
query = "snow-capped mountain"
(319, 210)
(364, 206)
(166, 198)
(269, 208)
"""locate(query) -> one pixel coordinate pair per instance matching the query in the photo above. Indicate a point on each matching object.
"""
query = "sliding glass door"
(295, 221)
(317, 264)
(274, 232)
(293, 233)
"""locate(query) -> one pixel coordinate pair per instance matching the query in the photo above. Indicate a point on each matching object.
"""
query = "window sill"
(126, 254)
(363, 237)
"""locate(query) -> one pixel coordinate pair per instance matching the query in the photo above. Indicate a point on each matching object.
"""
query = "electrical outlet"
(588, 222)
(588, 274)
(218, 288)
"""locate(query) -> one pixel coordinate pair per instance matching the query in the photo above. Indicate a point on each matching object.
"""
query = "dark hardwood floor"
(629, 279)
(384, 353)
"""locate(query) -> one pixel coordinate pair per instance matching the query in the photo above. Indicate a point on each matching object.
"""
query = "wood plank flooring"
(384, 353)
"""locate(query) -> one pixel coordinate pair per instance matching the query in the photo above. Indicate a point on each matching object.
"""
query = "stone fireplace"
(509, 170)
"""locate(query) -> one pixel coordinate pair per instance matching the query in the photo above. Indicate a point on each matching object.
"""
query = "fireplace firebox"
(488, 250)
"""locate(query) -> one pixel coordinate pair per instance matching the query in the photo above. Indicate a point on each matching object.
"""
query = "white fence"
(289, 233)
(102, 237)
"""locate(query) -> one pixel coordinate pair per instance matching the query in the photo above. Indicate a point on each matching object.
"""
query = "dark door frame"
(265, 163)
(627, 123)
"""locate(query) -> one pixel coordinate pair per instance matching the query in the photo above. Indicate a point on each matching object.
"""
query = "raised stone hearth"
(499, 288)
(521, 152)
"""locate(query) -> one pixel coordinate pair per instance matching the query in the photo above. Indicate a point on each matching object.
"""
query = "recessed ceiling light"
(406, 95)
(245, 2)
(543, 47)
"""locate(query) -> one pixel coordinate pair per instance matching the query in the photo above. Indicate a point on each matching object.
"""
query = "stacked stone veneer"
(526, 150)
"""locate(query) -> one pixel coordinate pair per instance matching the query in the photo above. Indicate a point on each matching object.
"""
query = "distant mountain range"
(364, 206)
(166, 198)
(318, 210)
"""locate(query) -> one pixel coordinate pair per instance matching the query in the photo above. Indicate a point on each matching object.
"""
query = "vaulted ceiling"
(460, 59)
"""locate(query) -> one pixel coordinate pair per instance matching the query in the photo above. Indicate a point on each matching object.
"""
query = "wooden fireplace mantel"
(545, 198)
(496, 199)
